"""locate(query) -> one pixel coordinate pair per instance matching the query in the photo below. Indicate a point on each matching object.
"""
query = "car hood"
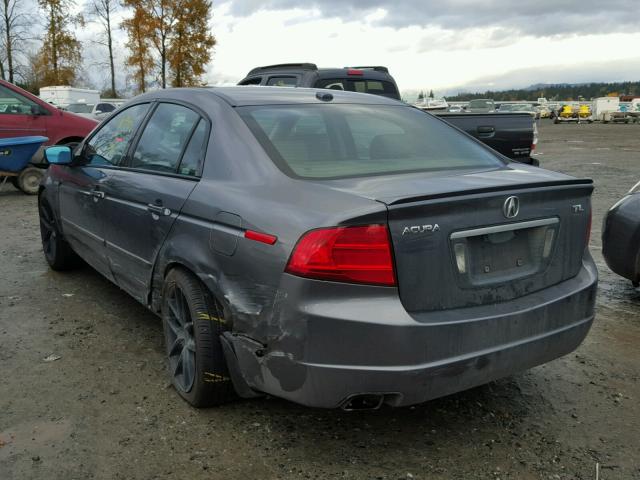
(400, 188)
(79, 119)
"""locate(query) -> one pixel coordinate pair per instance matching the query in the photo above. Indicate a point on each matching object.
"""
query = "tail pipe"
(368, 401)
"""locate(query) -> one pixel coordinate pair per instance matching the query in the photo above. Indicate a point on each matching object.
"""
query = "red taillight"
(345, 254)
(353, 71)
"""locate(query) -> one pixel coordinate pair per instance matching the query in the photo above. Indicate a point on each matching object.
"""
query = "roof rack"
(285, 66)
(377, 68)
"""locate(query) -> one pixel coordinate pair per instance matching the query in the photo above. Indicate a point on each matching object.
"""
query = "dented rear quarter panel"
(241, 189)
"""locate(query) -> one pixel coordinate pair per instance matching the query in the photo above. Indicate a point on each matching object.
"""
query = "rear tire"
(58, 253)
(193, 321)
(29, 180)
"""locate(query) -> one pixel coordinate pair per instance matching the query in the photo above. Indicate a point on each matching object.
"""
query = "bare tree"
(101, 11)
(14, 28)
(2, 64)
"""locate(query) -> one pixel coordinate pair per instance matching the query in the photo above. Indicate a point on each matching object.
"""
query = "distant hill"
(564, 91)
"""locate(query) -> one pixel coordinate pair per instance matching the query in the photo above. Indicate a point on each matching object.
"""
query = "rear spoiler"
(577, 183)
(377, 68)
(285, 66)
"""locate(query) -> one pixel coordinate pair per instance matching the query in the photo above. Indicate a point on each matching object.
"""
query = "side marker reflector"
(260, 237)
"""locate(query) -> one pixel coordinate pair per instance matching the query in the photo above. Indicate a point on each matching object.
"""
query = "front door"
(82, 186)
(144, 199)
(19, 116)
(82, 214)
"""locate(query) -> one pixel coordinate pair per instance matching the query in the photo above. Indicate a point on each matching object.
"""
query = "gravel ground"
(105, 410)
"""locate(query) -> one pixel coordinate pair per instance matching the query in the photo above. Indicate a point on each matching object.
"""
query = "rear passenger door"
(144, 198)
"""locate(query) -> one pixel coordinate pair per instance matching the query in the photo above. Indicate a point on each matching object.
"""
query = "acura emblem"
(511, 207)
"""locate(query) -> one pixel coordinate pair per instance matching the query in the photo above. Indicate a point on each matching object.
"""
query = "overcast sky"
(427, 44)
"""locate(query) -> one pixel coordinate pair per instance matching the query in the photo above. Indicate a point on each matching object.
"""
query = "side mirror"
(38, 110)
(58, 155)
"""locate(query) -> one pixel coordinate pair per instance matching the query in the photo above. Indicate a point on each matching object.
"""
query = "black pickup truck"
(514, 135)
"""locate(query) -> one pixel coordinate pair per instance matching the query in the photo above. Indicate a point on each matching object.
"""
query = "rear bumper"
(334, 341)
(621, 238)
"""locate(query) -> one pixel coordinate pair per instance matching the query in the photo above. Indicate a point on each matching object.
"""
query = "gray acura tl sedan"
(332, 248)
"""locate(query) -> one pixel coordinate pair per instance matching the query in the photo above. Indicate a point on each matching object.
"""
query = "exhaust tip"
(363, 401)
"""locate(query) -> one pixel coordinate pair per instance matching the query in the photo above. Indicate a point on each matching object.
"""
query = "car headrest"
(390, 145)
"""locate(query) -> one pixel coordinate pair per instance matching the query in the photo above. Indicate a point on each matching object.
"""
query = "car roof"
(310, 73)
(240, 96)
(247, 95)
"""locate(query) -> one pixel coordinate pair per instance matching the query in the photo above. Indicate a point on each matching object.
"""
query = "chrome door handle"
(158, 210)
(97, 194)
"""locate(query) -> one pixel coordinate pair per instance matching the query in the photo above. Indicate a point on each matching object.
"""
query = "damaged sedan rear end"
(339, 250)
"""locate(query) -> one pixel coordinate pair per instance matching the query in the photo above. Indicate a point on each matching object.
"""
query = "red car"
(23, 114)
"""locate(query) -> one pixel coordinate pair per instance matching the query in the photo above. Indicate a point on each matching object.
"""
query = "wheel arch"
(162, 269)
(50, 191)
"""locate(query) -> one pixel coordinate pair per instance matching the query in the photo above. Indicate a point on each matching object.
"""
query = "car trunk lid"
(487, 246)
(456, 243)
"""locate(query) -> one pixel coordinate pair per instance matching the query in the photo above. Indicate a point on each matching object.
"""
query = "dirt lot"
(105, 410)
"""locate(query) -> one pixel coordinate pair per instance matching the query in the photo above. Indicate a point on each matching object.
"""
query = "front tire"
(57, 252)
(193, 321)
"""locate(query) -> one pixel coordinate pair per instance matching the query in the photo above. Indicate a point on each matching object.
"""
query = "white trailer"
(62, 96)
(603, 107)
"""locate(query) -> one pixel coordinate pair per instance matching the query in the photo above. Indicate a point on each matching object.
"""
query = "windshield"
(481, 104)
(80, 108)
(335, 141)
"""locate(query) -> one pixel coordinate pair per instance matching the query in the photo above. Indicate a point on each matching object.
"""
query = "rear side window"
(251, 81)
(164, 138)
(105, 107)
(110, 144)
(336, 141)
(194, 154)
(282, 81)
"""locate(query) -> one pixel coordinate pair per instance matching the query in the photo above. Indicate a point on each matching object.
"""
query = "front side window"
(164, 138)
(110, 144)
(337, 141)
(12, 103)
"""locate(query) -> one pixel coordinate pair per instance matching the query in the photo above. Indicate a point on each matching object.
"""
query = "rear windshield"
(337, 141)
(481, 104)
(79, 108)
(375, 87)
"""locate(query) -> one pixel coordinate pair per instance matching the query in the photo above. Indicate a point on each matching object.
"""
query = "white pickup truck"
(97, 111)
